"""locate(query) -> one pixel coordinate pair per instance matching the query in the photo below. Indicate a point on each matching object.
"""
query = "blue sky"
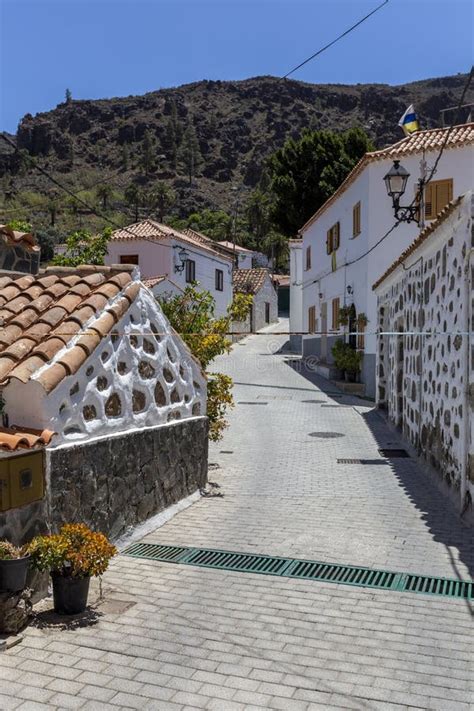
(104, 48)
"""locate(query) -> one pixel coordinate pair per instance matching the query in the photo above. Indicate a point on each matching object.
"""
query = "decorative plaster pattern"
(421, 377)
(141, 376)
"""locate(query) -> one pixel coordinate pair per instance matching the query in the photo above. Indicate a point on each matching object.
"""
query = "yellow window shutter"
(329, 241)
(356, 220)
(429, 207)
(337, 235)
(444, 194)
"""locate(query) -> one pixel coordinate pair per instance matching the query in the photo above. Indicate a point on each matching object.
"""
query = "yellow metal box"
(21, 480)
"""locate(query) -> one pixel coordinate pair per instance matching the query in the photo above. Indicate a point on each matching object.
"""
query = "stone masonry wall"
(116, 482)
(16, 258)
(421, 378)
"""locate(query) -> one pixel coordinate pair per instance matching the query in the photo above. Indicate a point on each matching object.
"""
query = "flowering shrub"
(74, 551)
(10, 552)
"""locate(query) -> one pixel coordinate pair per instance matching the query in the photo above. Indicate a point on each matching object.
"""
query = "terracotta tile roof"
(281, 279)
(424, 234)
(12, 237)
(40, 315)
(238, 247)
(155, 231)
(249, 281)
(13, 438)
(153, 281)
(421, 140)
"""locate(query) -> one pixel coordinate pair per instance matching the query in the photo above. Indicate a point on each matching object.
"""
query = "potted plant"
(362, 320)
(344, 315)
(71, 556)
(13, 567)
(352, 360)
(338, 351)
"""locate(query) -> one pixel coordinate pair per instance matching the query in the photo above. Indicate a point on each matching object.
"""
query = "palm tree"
(162, 197)
(134, 197)
(104, 192)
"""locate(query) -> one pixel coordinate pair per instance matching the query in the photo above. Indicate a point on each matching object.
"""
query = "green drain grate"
(303, 569)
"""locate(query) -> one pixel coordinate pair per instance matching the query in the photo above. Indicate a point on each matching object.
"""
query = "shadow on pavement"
(437, 511)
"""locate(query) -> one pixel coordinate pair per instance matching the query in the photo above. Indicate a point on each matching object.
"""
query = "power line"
(323, 49)
(92, 209)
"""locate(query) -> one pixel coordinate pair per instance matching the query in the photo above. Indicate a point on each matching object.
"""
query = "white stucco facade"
(140, 375)
(359, 261)
(425, 350)
(160, 257)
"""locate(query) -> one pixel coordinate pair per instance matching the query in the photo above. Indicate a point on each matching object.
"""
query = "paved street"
(179, 637)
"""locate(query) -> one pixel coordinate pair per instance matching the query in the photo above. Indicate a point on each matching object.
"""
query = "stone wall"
(116, 482)
(22, 524)
(421, 372)
(16, 258)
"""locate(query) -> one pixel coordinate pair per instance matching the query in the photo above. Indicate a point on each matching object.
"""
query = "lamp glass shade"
(183, 255)
(396, 180)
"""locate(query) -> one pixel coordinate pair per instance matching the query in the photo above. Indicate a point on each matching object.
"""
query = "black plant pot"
(69, 594)
(13, 574)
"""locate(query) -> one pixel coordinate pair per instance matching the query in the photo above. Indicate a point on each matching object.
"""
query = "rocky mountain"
(237, 125)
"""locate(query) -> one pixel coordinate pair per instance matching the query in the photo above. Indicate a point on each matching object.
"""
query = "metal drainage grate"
(313, 402)
(244, 563)
(242, 402)
(168, 554)
(303, 569)
(394, 453)
(337, 405)
(226, 451)
(438, 586)
(367, 462)
(348, 575)
(326, 435)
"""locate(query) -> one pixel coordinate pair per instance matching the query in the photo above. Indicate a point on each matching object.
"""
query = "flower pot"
(69, 594)
(13, 574)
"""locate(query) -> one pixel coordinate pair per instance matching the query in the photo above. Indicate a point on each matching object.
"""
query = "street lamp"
(183, 258)
(395, 183)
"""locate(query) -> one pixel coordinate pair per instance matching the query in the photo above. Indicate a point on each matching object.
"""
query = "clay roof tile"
(52, 376)
(27, 368)
(15, 437)
(73, 359)
(39, 317)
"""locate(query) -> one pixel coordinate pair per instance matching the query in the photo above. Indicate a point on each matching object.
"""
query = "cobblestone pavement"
(178, 637)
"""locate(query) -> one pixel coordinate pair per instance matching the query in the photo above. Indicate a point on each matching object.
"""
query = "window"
(335, 314)
(312, 319)
(219, 280)
(360, 337)
(267, 312)
(308, 258)
(437, 195)
(333, 238)
(190, 270)
(356, 220)
(129, 259)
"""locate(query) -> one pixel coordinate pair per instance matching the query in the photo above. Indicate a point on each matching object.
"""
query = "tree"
(84, 248)
(68, 96)
(258, 215)
(104, 192)
(47, 239)
(53, 206)
(215, 224)
(275, 246)
(305, 172)
(189, 152)
(134, 197)
(148, 153)
(162, 197)
(191, 314)
(125, 157)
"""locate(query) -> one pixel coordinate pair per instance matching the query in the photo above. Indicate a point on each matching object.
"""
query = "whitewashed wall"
(421, 380)
(376, 218)
(142, 376)
(296, 295)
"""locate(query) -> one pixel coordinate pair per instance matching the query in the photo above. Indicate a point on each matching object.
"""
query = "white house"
(182, 258)
(343, 248)
(425, 358)
(264, 311)
(245, 258)
(103, 404)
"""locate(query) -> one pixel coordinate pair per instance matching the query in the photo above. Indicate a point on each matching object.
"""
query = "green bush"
(345, 357)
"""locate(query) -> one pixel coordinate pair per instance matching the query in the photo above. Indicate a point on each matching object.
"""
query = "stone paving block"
(187, 697)
(66, 701)
(97, 693)
(65, 686)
